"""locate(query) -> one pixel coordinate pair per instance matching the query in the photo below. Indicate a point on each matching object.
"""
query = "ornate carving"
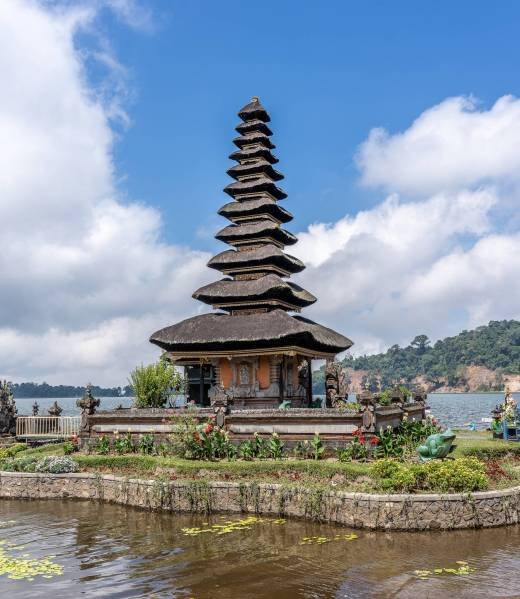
(35, 408)
(336, 388)
(8, 411)
(88, 404)
(368, 403)
(55, 409)
(218, 396)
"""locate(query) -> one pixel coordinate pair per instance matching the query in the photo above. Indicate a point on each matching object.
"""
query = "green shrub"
(102, 446)
(462, 474)
(124, 444)
(12, 450)
(146, 444)
(23, 464)
(69, 447)
(459, 475)
(154, 384)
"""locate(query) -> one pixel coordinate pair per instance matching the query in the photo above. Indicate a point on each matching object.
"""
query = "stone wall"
(335, 426)
(357, 510)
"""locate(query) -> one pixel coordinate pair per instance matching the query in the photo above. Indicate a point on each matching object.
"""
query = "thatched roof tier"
(261, 183)
(256, 232)
(255, 137)
(219, 332)
(254, 110)
(256, 152)
(253, 125)
(259, 167)
(255, 259)
(268, 288)
(245, 209)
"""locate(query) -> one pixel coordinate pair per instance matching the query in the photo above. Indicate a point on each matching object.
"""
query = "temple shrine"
(254, 350)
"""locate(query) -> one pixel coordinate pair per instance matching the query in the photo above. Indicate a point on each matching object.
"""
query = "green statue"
(437, 446)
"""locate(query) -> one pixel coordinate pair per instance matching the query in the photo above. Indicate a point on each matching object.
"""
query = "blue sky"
(397, 125)
(327, 73)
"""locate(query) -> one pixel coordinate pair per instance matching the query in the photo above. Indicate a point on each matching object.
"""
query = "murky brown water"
(110, 551)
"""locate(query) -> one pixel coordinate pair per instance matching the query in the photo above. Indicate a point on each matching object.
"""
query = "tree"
(421, 343)
(154, 384)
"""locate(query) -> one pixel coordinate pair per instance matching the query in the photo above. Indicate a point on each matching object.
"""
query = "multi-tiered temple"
(255, 351)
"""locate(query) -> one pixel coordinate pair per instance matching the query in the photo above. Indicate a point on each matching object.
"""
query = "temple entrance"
(198, 382)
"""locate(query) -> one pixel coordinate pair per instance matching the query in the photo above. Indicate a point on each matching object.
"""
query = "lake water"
(110, 551)
(451, 409)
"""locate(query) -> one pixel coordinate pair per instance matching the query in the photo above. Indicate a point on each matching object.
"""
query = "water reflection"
(109, 551)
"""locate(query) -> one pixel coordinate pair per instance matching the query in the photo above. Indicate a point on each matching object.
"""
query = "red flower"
(208, 428)
(362, 439)
(196, 436)
(374, 440)
(74, 438)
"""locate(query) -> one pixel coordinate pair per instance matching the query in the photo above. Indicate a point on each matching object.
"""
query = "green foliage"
(317, 447)
(496, 346)
(124, 444)
(21, 464)
(12, 450)
(303, 450)
(103, 445)
(275, 447)
(146, 444)
(201, 441)
(449, 476)
(355, 450)
(69, 447)
(405, 439)
(154, 384)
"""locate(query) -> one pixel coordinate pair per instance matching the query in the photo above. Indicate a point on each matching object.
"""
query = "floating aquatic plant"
(322, 540)
(462, 569)
(26, 568)
(229, 526)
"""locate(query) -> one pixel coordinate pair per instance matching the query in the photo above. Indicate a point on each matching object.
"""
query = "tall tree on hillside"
(421, 343)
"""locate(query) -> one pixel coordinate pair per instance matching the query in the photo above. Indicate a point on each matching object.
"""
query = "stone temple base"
(335, 426)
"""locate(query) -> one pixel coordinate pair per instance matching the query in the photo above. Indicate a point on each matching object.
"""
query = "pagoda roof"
(256, 207)
(259, 166)
(261, 183)
(260, 256)
(221, 332)
(268, 288)
(253, 231)
(254, 110)
(258, 152)
(255, 137)
(253, 125)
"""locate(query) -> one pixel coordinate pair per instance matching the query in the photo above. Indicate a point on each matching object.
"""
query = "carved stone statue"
(88, 404)
(55, 409)
(368, 403)
(244, 374)
(303, 379)
(437, 446)
(35, 408)
(336, 391)
(8, 411)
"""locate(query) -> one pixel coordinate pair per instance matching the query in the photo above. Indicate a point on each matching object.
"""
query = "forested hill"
(46, 390)
(487, 354)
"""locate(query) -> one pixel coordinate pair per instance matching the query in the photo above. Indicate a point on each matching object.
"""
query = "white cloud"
(437, 263)
(85, 277)
(452, 145)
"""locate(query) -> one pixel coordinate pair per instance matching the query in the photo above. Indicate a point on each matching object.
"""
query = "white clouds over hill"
(86, 276)
(437, 262)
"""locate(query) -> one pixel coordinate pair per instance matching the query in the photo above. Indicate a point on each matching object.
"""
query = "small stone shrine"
(254, 350)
